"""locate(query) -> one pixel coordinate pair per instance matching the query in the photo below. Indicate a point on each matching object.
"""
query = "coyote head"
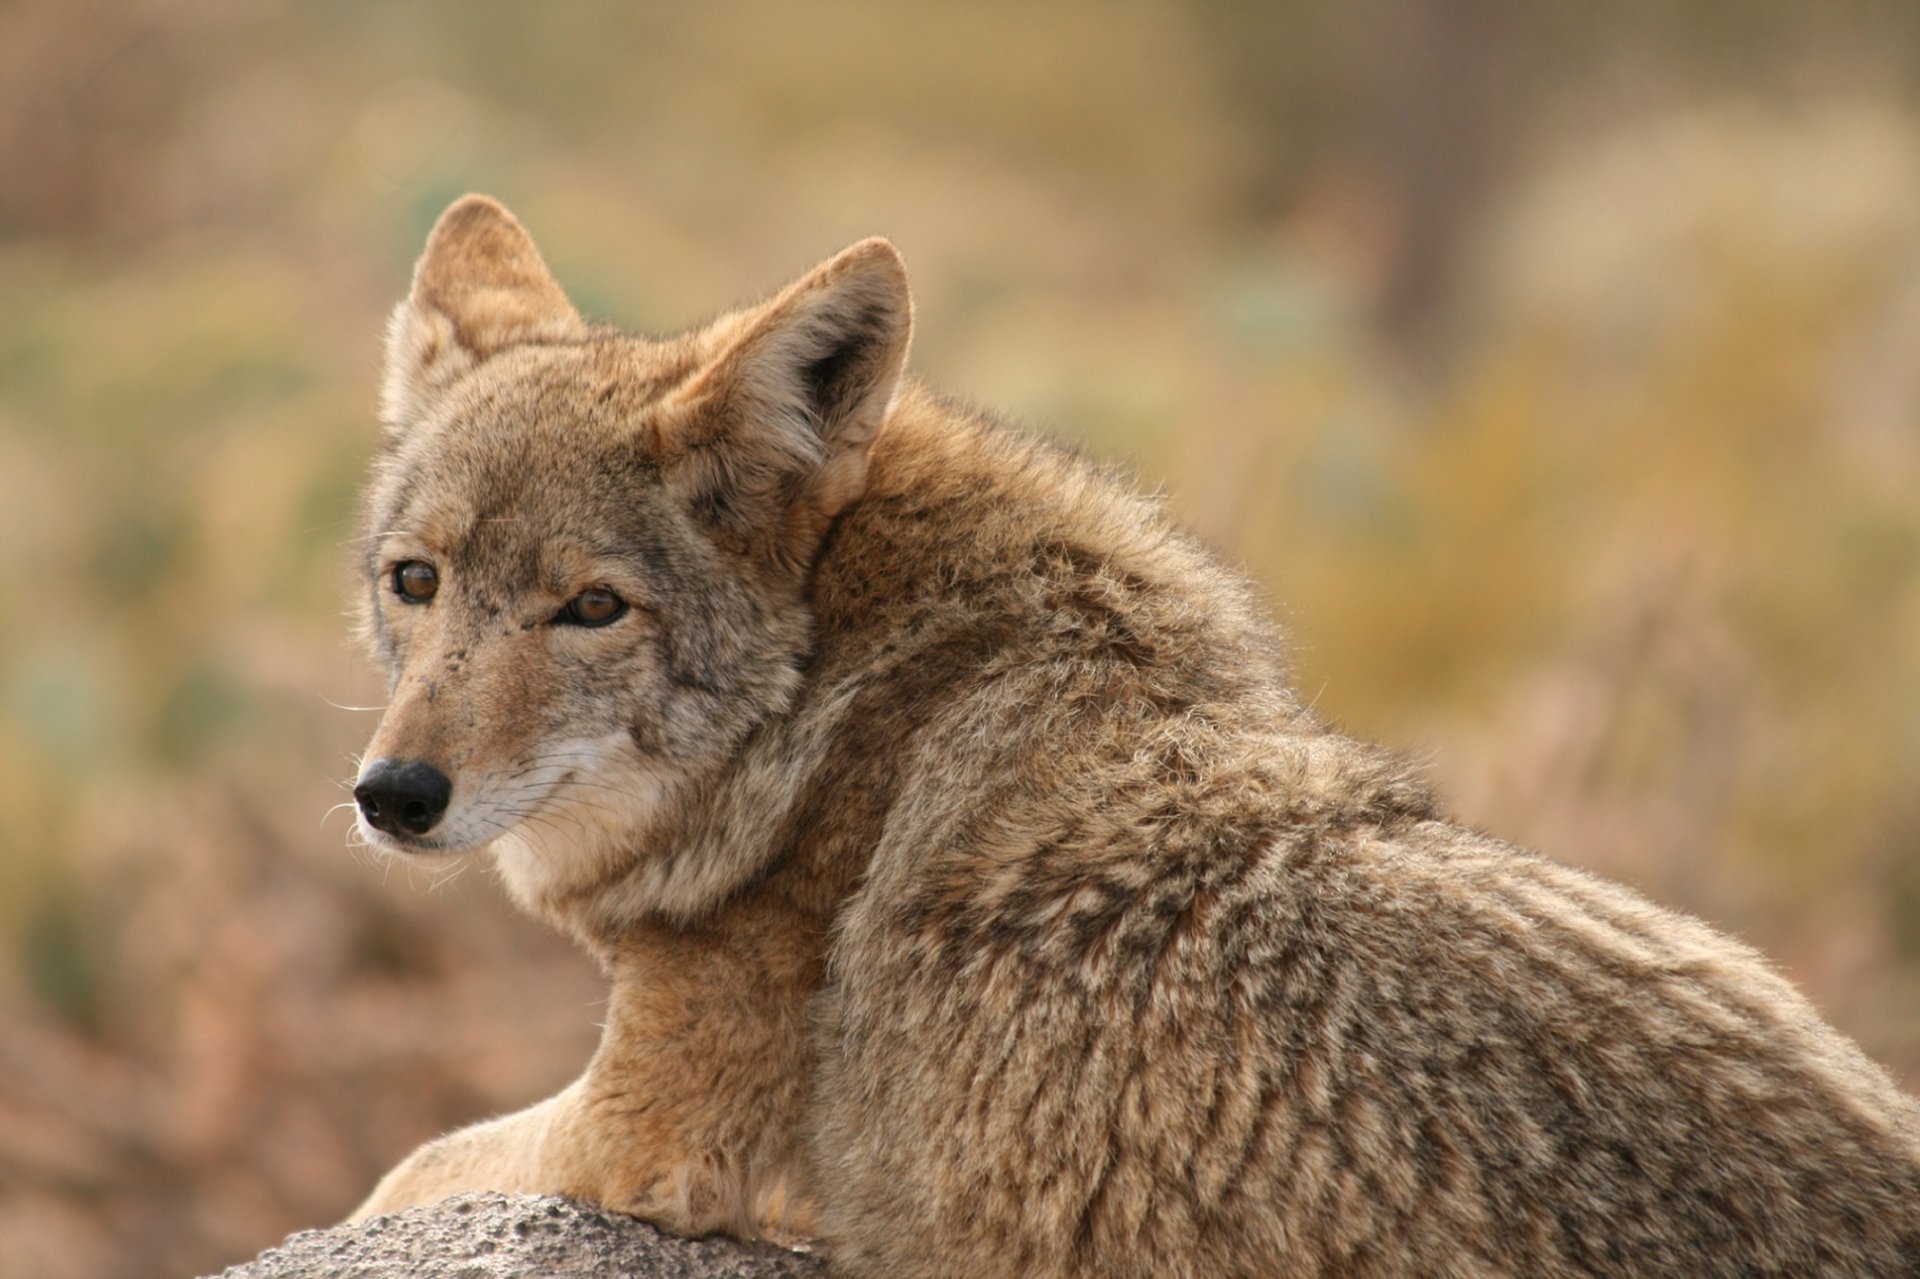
(585, 552)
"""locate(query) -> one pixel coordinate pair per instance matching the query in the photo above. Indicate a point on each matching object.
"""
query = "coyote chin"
(977, 898)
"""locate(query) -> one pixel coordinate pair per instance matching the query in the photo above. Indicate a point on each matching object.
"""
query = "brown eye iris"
(415, 581)
(596, 607)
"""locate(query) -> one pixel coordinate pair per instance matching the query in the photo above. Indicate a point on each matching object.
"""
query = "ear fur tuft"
(480, 287)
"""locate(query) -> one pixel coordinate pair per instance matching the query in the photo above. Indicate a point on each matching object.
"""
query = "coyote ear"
(479, 287)
(778, 426)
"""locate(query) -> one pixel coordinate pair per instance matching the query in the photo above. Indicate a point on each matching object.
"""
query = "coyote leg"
(501, 1154)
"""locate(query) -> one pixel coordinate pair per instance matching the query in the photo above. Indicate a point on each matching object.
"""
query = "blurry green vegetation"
(1556, 369)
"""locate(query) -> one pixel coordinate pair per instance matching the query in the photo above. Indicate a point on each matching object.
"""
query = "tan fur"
(975, 894)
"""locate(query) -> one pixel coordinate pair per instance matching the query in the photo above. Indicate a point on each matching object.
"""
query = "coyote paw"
(699, 1198)
(784, 1217)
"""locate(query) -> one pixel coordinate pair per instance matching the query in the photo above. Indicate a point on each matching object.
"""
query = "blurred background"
(1554, 368)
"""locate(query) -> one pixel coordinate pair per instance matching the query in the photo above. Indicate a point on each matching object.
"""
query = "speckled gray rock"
(517, 1237)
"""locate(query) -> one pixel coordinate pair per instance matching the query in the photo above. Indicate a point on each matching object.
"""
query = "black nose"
(402, 797)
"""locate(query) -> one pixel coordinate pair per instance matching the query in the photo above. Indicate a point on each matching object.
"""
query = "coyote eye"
(594, 607)
(415, 581)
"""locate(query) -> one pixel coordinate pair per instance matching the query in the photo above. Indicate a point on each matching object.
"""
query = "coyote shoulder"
(977, 898)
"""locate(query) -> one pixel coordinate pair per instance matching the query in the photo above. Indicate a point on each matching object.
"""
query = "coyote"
(977, 898)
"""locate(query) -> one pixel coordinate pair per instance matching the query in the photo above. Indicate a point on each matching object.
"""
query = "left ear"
(777, 428)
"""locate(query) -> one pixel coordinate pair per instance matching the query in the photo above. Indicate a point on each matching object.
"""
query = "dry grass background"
(1557, 373)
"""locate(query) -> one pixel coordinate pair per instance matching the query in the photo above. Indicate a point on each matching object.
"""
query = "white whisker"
(339, 707)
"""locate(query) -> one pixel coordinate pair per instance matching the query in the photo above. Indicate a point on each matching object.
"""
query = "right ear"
(773, 434)
(479, 288)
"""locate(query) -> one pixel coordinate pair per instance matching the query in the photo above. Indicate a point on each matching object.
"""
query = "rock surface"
(517, 1237)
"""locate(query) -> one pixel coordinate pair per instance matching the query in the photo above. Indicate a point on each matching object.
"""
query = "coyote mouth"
(408, 806)
(570, 800)
(416, 845)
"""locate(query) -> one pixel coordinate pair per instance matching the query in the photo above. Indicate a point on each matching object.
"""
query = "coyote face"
(570, 572)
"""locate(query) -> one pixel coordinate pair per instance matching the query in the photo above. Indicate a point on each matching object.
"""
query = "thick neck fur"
(1089, 614)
